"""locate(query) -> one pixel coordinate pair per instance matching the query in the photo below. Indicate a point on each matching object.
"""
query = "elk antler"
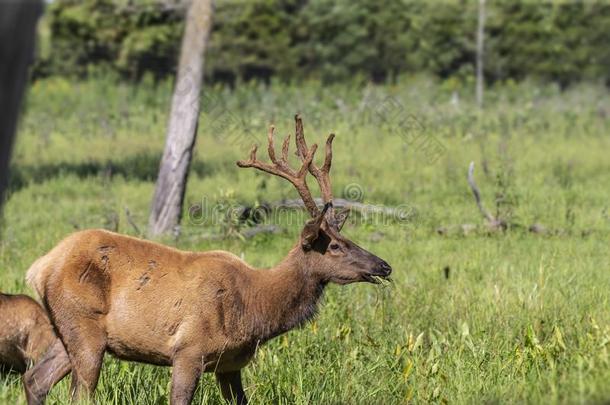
(281, 168)
(321, 174)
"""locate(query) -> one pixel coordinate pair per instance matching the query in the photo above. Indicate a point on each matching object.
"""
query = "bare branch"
(131, 221)
(477, 194)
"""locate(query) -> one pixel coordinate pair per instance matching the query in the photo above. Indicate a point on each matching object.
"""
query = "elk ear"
(312, 228)
(341, 218)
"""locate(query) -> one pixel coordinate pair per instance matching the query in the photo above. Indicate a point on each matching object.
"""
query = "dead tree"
(493, 223)
(167, 203)
(17, 34)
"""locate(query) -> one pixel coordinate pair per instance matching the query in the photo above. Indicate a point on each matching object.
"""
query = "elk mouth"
(380, 273)
(375, 278)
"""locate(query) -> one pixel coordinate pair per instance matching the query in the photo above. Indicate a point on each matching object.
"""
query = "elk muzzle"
(381, 269)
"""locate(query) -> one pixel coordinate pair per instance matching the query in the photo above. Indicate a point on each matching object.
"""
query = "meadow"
(476, 317)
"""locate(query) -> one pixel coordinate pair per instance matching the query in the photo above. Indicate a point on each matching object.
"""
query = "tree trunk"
(480, 52)
(167, 203)
(17, 34)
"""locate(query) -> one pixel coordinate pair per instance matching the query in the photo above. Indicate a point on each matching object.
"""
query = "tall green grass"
(520, 318)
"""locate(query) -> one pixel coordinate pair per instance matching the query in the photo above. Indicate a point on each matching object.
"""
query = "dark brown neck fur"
(283, 298)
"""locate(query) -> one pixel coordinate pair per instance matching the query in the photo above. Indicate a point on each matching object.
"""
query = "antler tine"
(250, 162)
(254, 162)
(281, 168)
(301, 183)
(285, 146)
(328, 158)
(271, 147)
(322, 175)
(307, 161)
(299, 137)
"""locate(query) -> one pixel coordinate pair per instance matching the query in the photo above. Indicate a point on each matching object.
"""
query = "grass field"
(521, 317)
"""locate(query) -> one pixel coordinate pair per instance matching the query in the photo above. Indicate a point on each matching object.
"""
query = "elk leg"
(186, 371)
(85, 342)
(87, 363)
(39, 380)
(231, 387)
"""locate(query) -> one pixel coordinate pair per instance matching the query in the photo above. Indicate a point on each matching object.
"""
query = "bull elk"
(26, 334)
(196, 312)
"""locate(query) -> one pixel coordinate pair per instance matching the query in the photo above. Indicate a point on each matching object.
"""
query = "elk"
(26, 334)
(194, 311)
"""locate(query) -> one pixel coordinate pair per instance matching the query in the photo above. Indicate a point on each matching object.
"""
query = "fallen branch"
(245, 234)
(252, 232)
(342, 203)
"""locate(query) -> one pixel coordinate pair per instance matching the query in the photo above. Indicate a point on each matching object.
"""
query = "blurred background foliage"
(331, 40)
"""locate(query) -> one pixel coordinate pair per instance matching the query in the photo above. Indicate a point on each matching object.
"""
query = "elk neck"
(284, 297)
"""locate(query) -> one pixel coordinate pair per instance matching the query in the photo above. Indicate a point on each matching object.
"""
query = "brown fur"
(25, 332)
(195, 311)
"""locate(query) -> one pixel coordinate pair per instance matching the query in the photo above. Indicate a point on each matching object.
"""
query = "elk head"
(322, 249)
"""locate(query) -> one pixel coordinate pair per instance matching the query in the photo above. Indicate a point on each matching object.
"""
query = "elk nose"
(383, 269)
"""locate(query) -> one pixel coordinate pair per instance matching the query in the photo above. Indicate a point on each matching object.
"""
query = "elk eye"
(334, 246)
